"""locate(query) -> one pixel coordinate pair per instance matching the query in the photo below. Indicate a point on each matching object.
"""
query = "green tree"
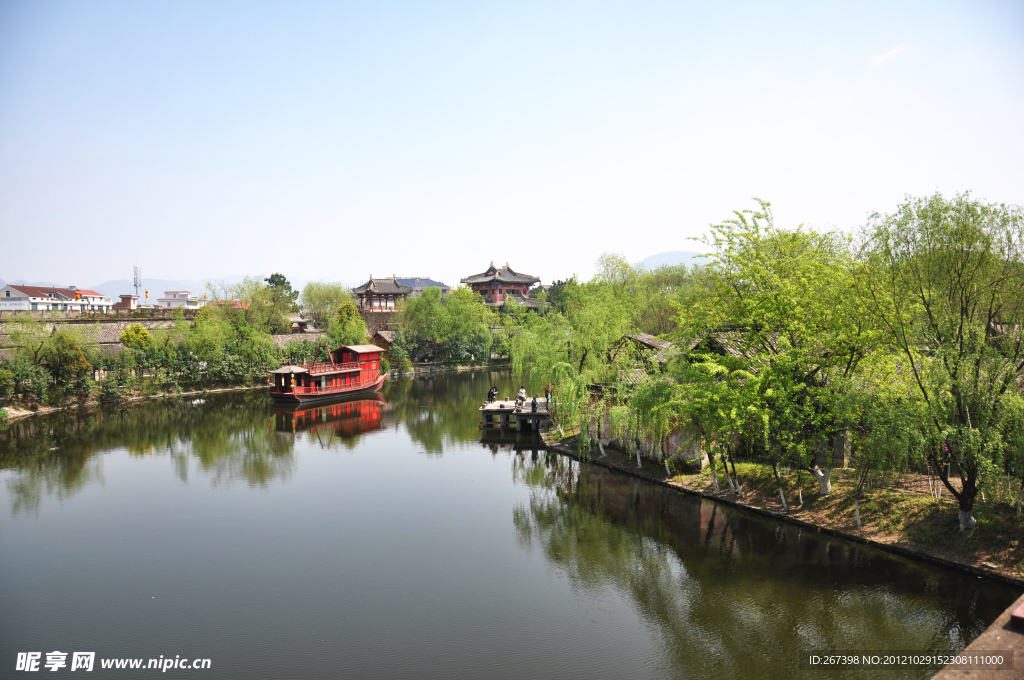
(322, 299)
(136, 336)
(282, 295)
(347, 326)
(948, 287)
(64, 359)
(783, 303)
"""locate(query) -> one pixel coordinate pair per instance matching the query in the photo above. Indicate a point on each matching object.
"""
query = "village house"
(497, 283)
(44, 298)
(180, 299)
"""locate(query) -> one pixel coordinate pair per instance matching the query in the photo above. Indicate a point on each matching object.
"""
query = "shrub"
(110, 390)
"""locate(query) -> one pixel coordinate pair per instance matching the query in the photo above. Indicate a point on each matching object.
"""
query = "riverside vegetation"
(904, 342)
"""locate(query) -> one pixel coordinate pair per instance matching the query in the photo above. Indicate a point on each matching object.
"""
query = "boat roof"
(290, 369)
(362, 349)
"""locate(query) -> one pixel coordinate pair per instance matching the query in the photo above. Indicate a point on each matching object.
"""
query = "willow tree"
(948, 286)
(780, 303)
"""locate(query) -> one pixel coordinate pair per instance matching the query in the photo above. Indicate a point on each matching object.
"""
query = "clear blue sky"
(335, 140)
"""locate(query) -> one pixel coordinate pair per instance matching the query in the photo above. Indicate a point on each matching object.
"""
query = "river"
(382, 538)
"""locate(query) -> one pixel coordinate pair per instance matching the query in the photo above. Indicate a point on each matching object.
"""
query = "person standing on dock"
(533, 405)
(492, 394)
(547, 395)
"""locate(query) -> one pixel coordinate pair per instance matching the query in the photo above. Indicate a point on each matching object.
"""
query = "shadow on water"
(732, 594)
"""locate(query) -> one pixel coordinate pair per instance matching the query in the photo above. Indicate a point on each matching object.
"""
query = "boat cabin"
(349, 368)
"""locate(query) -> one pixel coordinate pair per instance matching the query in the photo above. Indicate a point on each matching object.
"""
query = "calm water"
(383, 538)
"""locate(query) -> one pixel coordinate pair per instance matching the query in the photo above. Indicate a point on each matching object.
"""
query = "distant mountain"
(687, 257)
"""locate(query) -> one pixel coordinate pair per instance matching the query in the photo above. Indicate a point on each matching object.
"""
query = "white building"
(184, 299)
(41, 298)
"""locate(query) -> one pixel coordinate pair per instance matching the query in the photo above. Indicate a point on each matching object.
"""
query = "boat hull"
(326, 395)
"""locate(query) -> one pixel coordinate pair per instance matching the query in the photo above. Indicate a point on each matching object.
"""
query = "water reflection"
(338, 423)
(440, 410)
(731, 594)
(223, 436)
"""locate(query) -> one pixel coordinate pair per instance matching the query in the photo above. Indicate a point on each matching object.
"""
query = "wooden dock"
(505, 415)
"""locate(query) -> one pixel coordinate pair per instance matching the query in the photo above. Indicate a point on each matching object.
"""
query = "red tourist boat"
(349, 370)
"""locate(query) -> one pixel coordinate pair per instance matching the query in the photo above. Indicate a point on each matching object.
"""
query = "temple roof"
(389, 286)
(501, 275)
(422, 283)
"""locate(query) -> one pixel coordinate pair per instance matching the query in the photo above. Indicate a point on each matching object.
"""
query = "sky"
(335, 140)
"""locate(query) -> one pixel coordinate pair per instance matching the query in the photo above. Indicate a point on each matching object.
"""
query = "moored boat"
(349, 370)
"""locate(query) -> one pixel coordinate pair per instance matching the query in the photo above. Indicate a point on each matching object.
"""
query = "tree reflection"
(225, 435)
(734, 595)
(442, 409)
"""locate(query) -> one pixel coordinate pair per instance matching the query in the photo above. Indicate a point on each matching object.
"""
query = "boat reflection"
(341, 420)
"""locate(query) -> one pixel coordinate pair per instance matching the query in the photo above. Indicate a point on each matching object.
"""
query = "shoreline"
(614, 460)
(16, 413)
(19, 413)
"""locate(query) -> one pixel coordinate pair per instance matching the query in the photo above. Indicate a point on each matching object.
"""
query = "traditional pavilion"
(381, 295)
(497, 283)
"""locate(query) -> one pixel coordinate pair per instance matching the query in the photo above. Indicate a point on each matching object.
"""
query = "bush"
(110, 390)
(4, 414)
(6, 383)
(385, 365)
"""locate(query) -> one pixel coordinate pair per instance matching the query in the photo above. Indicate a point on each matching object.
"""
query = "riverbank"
(17, 413)
(901, 522)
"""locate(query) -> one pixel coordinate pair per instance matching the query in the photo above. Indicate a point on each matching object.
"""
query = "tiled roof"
(389, 336)
(422, 283)
(501, 275)
(41, 292)
(362, 349)
(389, 286)
(650, 341)
(46, 291)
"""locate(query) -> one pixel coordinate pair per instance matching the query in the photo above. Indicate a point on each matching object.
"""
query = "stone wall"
(376, 320)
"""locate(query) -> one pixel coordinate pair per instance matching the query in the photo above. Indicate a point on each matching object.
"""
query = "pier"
(503, 414)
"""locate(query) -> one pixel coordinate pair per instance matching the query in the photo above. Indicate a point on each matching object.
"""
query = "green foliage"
(4, 414)
(135, 336)
(347, 326)
(385, 365)
(321, 300)
(6, 382)
(454, 328)
(64, 359)
(281, 293)
(948, 288)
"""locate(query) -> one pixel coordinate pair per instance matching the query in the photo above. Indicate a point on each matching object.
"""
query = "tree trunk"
(714, 476)
(824, 480)
(783, 497)
(1020, 496)
(967, 521)
(856, 510)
